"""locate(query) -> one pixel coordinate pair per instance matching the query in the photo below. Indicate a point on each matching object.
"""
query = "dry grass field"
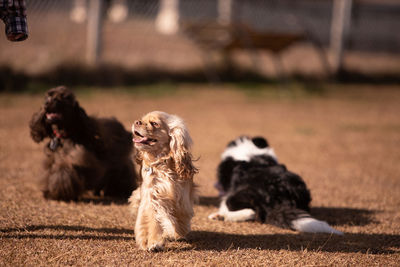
(344, 142)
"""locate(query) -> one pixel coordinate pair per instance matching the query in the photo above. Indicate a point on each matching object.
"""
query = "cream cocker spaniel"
(164, 201)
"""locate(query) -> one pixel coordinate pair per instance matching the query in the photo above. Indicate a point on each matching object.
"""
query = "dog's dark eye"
(260, 142)
(154, 124)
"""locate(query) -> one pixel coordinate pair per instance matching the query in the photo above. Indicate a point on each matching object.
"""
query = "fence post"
(225, 11)
(94, 30)
(340, 26)
(78, 12)
(167, 21)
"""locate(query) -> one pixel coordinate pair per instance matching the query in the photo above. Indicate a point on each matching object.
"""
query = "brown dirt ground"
(345, 143)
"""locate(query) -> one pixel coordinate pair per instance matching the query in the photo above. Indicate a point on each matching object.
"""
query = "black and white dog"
(254, 186)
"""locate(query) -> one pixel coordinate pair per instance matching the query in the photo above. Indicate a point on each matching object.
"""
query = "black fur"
(277, 195)
(83, 152)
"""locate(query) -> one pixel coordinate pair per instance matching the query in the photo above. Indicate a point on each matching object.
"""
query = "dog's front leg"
(155, 241)
(141, 226)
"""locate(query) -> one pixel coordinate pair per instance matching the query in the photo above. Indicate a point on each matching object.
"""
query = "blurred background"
(125, 42)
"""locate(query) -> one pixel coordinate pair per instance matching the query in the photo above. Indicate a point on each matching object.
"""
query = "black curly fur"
(83, 152)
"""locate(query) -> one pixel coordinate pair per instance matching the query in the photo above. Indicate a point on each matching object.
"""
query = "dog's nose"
(138, 122)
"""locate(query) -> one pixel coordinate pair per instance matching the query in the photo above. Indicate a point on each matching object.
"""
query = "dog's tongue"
(140, 139)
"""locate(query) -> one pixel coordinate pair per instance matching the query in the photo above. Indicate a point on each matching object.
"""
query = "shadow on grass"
(109, 75)
(334, 216)
(348, 243)
(344, 216)
(84, 233)
(217, 241)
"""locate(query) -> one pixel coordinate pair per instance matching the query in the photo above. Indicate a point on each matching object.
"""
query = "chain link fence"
(133, 36)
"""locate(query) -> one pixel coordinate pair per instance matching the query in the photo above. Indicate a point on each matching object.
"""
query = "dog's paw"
(141, 245)
(156, 247)
(216, 216)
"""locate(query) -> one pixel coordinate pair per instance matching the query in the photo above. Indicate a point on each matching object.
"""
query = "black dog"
(254, 186)
(84, 153)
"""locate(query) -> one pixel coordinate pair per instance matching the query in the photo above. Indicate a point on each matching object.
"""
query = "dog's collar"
(57, 133)
(54, 143)
(148, 170)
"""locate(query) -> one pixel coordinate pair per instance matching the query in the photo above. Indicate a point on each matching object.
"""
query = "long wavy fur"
(164, 203)
(83, 152)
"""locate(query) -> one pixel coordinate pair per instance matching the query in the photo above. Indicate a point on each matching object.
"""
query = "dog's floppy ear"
(180, 144)
(38, 126)
(78, 115)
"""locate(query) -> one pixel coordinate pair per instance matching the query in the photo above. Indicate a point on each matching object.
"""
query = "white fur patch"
(245, 149)
(311, 225)
(232, 216)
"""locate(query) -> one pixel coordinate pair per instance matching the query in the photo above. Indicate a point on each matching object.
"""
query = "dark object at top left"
(13, 14)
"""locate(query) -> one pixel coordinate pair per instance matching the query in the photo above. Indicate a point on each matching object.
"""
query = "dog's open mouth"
(51, 116)
(140, 139)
